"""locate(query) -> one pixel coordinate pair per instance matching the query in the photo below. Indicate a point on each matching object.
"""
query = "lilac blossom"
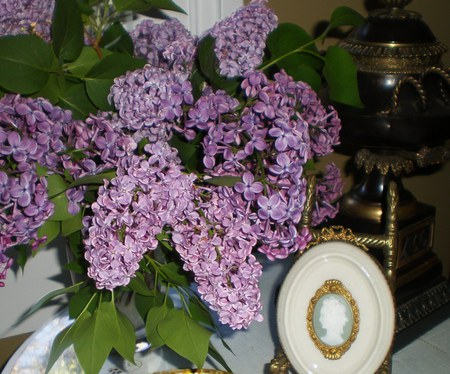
(30, 134)
(166, 45)
(241, 38)
(263, 137)
(26, 17)
(131, 210)
(248, 187)
(328, 190)
(150, 100)
(5, 264)
(226, 271)
(268, 140)
(271, 207)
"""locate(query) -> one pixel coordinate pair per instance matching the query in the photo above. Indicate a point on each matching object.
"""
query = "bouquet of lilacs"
(171, 163)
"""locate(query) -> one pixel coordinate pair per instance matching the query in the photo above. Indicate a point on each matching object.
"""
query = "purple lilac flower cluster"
(328, 189)
(5, 264)
(31, 133)
(167, 45)
(264, 137)
(26, 17)
(147, 194)
(150, 100)
(241, 38)
(34, 132)
(102, 142)
(217, 247)
(267, 143)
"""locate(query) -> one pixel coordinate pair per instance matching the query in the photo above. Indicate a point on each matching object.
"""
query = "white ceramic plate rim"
(362, 276)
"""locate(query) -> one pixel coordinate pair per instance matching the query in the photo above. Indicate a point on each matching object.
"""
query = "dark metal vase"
(405, 125)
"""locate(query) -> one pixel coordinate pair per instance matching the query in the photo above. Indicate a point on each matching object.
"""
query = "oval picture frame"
(333, 319)
(343, 271)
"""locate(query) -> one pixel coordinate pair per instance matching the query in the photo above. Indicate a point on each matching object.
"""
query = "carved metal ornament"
(331, 309)
(333, 233)
(384, 163)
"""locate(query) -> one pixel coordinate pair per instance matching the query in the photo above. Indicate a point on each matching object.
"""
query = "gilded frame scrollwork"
(333, 287)
(386, 242)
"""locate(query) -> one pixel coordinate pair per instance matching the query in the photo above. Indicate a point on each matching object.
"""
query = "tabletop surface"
(252, 349)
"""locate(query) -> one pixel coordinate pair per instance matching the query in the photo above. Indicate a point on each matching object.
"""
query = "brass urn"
(404, 126)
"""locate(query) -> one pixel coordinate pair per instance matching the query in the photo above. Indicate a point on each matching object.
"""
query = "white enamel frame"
(365, 280)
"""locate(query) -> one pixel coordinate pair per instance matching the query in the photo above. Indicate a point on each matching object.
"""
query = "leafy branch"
(295, 51)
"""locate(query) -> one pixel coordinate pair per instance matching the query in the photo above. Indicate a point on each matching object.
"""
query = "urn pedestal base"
(422, 293)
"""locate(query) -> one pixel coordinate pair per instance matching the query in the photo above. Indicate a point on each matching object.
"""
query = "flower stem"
(302, 49)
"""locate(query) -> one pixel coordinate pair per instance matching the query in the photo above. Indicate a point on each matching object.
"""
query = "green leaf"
(75, 244)
(80, 300)
(55, 185)
(75, 267)
(56, 190)
(61, 210)
(50, 229)
(154, 316)
(85, 7)
(62, 341)
(114, 65)
(200, 313)
(49, 296)
(98, 91)
(198, 81)
(163, 239)
(185, 336)
(291, 62)
(175, 273)
(189, 153)
(142, 5)
(139, 286)
(100, 78)
(145, 303)
(208, 63)
(41, 170)
(134, 5)
(97, 179)
(288, 37)
(345, 16)
(166, 4)
(341, 75)
(23, 253)
(53, 89)
(310, 165)
(227, 180)
(92, 342)
(214, 353)
(26, 62)
(73, 224)
(306, 74)
(122, 334)
(85, 61)
(116, 38)
(67, 30)
(75, 98)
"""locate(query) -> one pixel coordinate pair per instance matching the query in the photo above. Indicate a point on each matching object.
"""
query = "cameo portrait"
(333, 319)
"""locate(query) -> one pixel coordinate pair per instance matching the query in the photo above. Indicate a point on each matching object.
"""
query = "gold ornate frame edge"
(333, 286)
(386, 242)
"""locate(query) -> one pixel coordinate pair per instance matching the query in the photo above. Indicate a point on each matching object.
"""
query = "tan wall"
(307, 13)
(431, 189)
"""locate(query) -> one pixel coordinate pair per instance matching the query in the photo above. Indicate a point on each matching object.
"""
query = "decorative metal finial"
(396, 3)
